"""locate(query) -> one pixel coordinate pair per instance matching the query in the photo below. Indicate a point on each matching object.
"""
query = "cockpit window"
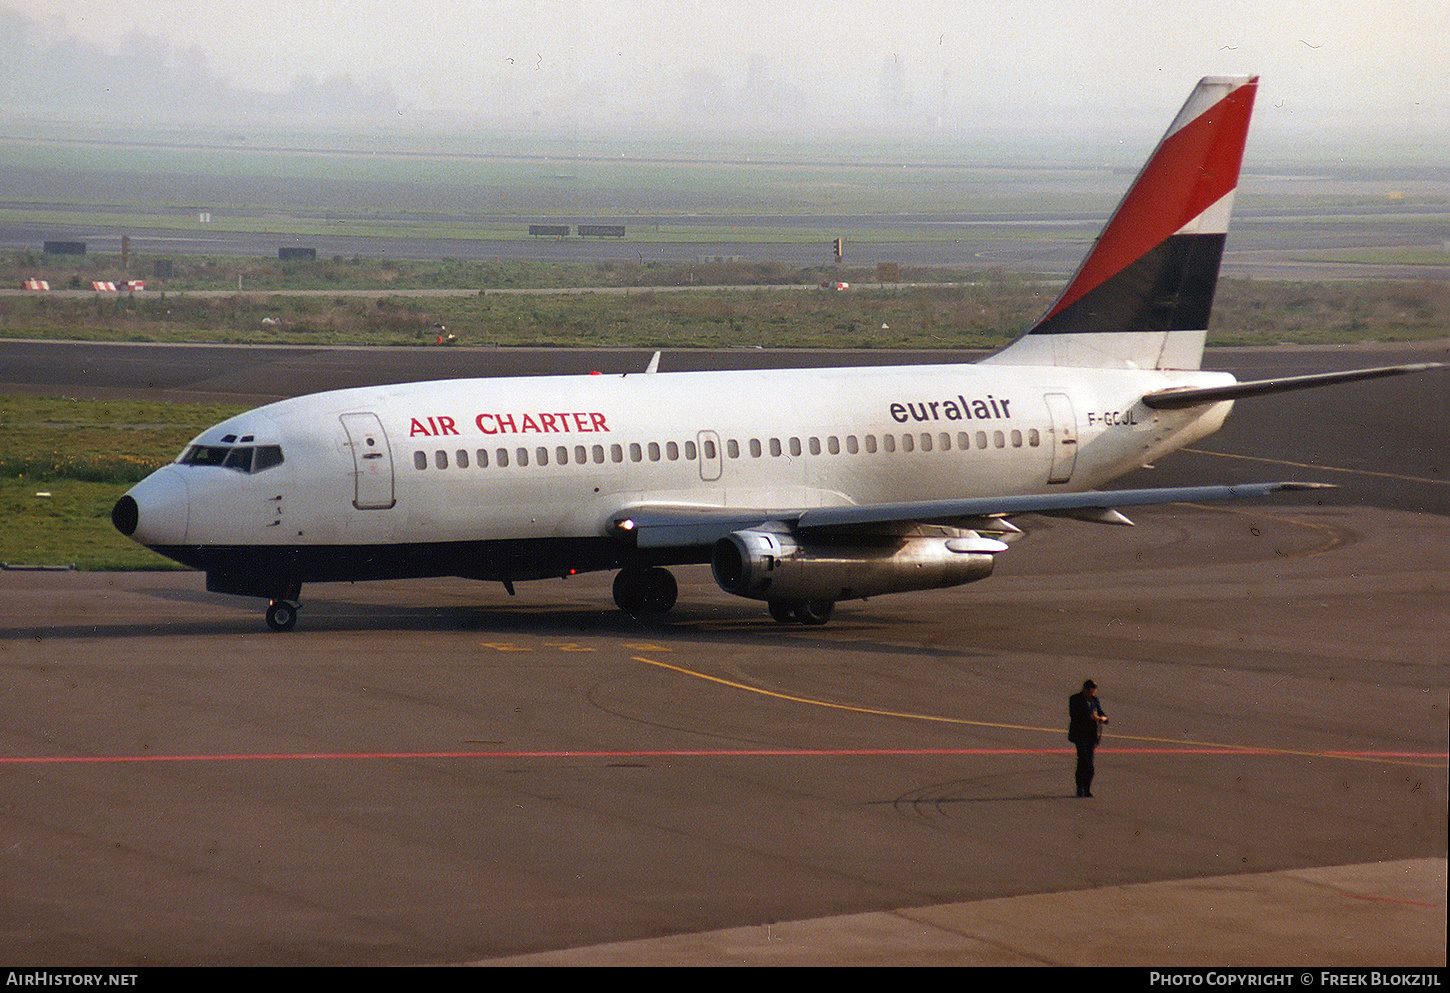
(239, 459)
(267, 456)
(205, 455)
(250, 459)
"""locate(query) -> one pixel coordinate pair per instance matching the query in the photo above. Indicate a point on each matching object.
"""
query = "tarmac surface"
(433, 772)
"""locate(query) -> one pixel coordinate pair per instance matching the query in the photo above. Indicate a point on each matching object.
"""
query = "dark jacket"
(1083, 727)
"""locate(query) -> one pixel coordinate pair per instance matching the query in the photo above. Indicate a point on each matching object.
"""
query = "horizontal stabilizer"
(1179, 398)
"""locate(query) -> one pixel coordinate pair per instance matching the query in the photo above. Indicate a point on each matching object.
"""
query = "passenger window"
(543, 455)
(908, 443)
(503, 458)
(998, 440)
(483, 458)
(654, 451)
(672, 451)
(561, 455)
(946, 441)
(581, 455)
(926, 441)
(815, 446)
(870, 444)
(775, 449)
(852, 446)
(732, 448)
(462, 458)
(795, 446)
(636, 453)
(888, 442)
(1033, 438)
(616, 453)
(598, 452)
(962, 440)
(833, 445)
(420, 460)
(1016, 439)
(523, 454)
(440, 459)
(981, 439)
(755, 448)
(709, 447)
(690, 451)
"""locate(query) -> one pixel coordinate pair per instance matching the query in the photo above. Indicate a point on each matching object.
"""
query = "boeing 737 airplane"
(801, 488)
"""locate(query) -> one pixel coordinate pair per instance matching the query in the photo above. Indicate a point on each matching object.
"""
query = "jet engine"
(778, 565)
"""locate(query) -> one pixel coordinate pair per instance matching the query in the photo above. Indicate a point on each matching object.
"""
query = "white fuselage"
(558, 457)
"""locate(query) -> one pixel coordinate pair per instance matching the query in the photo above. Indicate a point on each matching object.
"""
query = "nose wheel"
(281, 615)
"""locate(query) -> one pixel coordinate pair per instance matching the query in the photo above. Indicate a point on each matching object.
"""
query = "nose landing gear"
(281, 615)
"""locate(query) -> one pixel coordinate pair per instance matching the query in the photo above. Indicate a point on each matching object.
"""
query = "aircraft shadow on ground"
(744, 624)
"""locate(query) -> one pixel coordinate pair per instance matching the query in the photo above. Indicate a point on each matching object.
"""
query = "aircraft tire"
(814, 611)
(645, 591)
(281, 615)
(782, 610)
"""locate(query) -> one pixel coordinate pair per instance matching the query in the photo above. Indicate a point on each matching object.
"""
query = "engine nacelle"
(768, 565)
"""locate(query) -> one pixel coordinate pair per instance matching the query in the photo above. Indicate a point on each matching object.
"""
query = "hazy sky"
(1323, 62)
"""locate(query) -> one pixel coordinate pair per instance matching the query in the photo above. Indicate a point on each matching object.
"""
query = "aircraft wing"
(675, 526)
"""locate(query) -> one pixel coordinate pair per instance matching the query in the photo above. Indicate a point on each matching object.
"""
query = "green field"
(384, 302)
(64, 463)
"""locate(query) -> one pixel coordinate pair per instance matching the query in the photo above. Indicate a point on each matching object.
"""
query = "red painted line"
(666, 753)
(565, 754)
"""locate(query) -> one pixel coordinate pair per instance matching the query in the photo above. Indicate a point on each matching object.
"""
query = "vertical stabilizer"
(1142, 296)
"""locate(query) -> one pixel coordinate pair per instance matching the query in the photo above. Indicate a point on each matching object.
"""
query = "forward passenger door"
(372, 461)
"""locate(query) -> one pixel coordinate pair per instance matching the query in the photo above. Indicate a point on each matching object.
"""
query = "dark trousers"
(1085, 751)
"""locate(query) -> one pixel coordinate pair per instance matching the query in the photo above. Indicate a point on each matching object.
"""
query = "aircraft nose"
(156, 510)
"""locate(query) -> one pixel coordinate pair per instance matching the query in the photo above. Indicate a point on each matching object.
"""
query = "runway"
(434, 772)
(1054, 248)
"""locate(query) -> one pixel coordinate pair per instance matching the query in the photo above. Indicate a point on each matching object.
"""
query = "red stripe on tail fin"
(1194, 167)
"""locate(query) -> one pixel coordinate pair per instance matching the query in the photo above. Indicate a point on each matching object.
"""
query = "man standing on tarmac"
(1085, 719)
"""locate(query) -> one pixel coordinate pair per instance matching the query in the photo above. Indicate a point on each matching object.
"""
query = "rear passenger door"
(1064, 437)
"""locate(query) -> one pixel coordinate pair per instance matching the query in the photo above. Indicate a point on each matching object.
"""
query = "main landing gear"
(281, 615)
(803, 611)
(645, 591)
